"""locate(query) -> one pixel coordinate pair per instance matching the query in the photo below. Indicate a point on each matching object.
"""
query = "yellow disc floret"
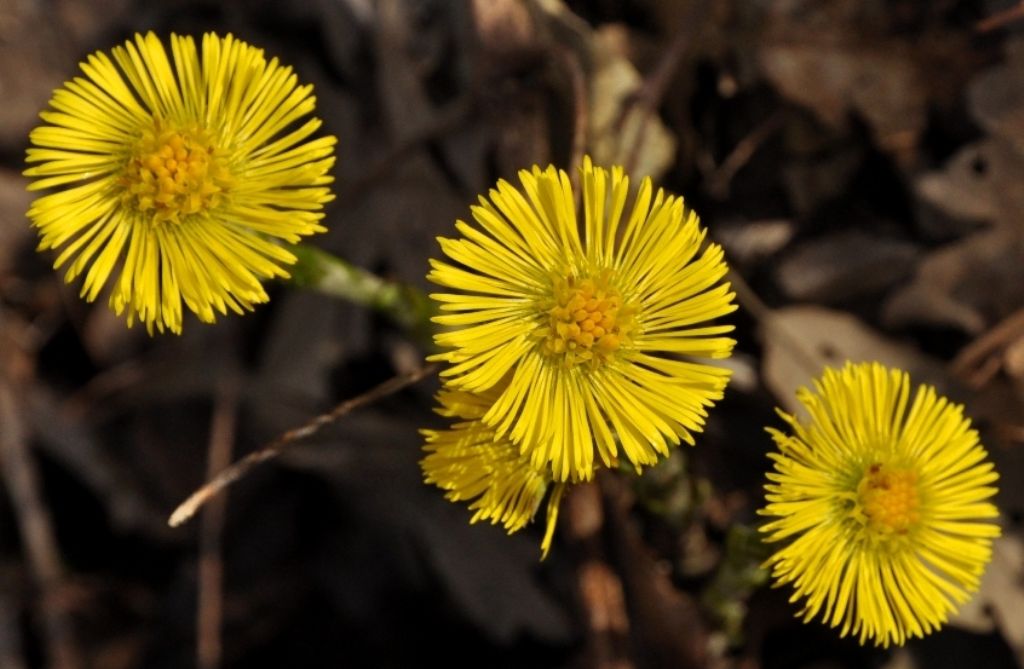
(176, 168)
(586, 300)
(888, 499)
(174, 173)
(880, 505)
(587, 320)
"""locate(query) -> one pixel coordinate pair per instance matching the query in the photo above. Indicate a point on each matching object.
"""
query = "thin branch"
(599, 588)
(209, 616)
(1000, 19)
(747, 298)
(667, 629)
(648, 97)
(11, 653)
(581, 120)
(718, 181)
(752, 303)
(36, 526)
(240, 468)
(980, 360)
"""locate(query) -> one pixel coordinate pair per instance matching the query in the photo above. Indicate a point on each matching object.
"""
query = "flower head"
(882, 508)
(471, 463)
(588, 324)
(179, 171)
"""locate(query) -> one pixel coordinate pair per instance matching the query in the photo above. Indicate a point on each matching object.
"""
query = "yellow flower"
(589, 326)
(180, 172)
(883, 509)
(471, 462)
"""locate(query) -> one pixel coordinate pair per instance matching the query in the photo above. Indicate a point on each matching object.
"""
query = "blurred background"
(862, 162)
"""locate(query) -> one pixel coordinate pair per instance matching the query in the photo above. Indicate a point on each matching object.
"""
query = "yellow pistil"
(888, 499)
(587, 320)
(173, 173)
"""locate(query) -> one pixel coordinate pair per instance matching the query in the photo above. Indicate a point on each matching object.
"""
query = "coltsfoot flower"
(472, 463)
(590, 325)
(177, 173)
(882, 509)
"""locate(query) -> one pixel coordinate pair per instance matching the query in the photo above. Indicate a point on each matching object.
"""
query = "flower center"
(888, 498)
(587, 320)
(174, 172)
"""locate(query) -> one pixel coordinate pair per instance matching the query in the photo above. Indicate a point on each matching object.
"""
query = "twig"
(718, 181)
(1000, 19)
(650, 94)
(599, 588)
(1014, 433)
(11, 655)
(581, 119)
(209, 616)
(109, 382)
(765, 316)
(976, 363)
(35, 523)
(667, 626)
(747, 298)
(240, 468)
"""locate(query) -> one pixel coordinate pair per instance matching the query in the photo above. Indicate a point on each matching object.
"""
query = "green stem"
(739, 574)
(405, 305)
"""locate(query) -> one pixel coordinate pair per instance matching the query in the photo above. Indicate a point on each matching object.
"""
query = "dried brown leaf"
(999, 603)
(750, 242)
(799, 342)
(996, 97)
(966, 285)
(617, 133)
(845, 265)
(963, 188)
(881, 82)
